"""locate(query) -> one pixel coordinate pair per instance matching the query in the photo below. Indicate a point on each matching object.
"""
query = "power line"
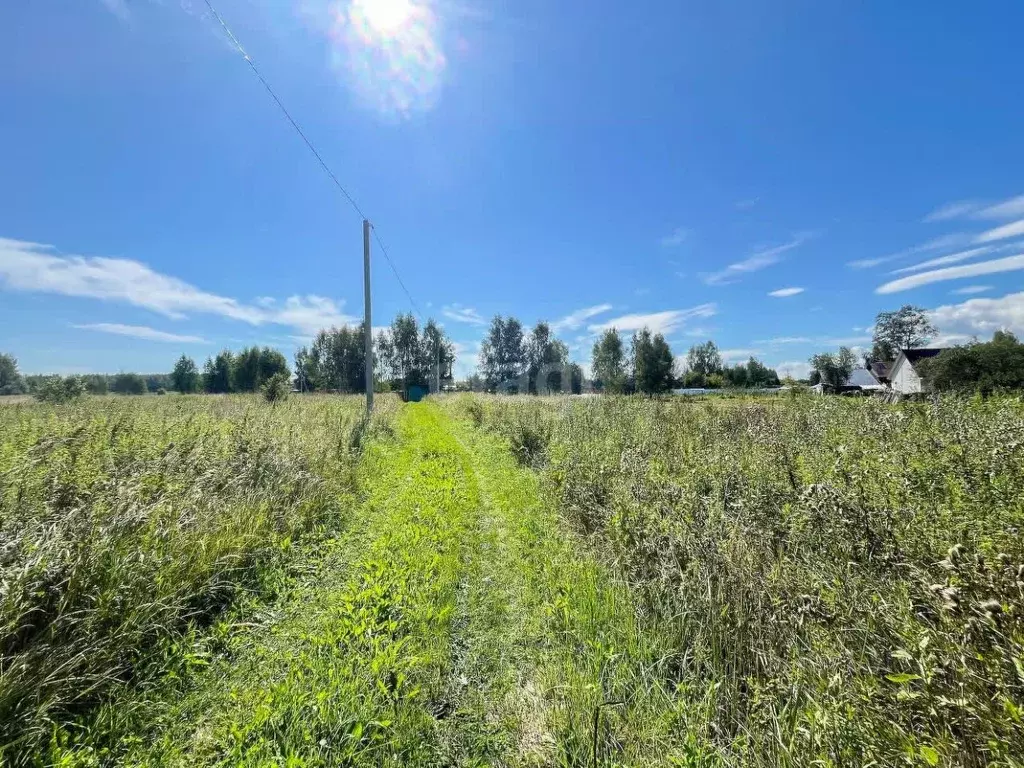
(309, 144)
(395, 270)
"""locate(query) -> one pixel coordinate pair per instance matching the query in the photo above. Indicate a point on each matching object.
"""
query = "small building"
(880, 370)
(904, 377)
(865, 380)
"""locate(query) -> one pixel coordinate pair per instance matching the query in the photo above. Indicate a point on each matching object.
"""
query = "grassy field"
(512, 581)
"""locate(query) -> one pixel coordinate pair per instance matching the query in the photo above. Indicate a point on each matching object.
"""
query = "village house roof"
(913, 355)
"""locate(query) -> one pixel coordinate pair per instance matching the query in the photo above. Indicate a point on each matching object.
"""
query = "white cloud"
(981, 316)
(659, 322)
(797, 369)
(1008, 209)
(141, 332)
(309, 314)
(972, 289)
(952, 211)
(953, 258)
(786, 340)
(1001, 233)
(757, 260)
(461, 314)
(36, 268)
(466, 353)
(1009, 264)
(732, 355)
(678, 237)
(576, 319)
(783, 293)
(935, 244)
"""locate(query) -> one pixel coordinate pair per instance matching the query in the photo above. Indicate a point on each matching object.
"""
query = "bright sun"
(385, 16)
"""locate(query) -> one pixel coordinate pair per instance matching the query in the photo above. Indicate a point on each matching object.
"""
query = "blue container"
(417, 393)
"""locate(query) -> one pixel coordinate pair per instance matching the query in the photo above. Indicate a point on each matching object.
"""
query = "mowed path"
(456, 624)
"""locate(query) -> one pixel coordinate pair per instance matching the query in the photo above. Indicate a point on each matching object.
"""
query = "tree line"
(226, 372)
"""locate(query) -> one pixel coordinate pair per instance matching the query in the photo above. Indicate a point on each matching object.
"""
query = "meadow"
(512, 581)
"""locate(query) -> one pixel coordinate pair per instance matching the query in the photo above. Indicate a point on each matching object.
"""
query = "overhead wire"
(252, 65)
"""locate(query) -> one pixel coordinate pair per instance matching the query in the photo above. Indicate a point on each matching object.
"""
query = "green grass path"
(457, 624)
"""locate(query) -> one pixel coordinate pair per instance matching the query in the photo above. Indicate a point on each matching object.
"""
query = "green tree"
(575, 378)
(834, 369)
(652, 362)
(989, 367)
(96, 383)
(11, 382)
(608, 364)
(753, 373)
(437, 351)
(336, 360)
(185, 376)
(246, 370)
(217, 373)
(906, 328)
(546, 357)
(502, 353)
(702, 361)
(128, 384)
(55, 389)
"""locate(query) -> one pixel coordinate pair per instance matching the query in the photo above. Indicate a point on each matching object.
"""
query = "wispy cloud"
(974, 209)
(981, 316)
(1008, 209)
(659, 322)
(970, 290)
(1009, 264)
(1016, 229)
(756, 261)
(461, 314)
(141, 332)
(732, 355)
(955, 210)
(953, 258)
(576, 319)
(935, 244)
(35, 268)
(783, 293)
(786, 340)
(678, 237)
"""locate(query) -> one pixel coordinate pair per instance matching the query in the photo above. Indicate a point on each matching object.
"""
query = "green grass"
(128, 526)
(836, 582)
(514, 582)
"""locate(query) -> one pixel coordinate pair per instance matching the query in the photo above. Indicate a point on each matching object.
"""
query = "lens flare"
(384, 17)
(392, 52)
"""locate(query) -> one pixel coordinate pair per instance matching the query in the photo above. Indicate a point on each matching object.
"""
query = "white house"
(903, 377)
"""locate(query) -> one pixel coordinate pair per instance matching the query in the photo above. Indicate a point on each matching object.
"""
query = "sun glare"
(385, 17)
(393, 52)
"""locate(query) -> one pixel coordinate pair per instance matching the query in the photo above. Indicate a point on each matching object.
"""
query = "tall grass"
(839, 582)
(127, 523)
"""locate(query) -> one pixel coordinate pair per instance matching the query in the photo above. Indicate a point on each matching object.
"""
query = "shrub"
(128, 384)
(277, 388)
(56, 389)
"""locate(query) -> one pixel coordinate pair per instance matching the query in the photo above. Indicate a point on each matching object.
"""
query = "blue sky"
(766, 174)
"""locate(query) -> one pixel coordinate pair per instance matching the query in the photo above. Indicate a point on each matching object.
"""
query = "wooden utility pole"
(367, 319)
